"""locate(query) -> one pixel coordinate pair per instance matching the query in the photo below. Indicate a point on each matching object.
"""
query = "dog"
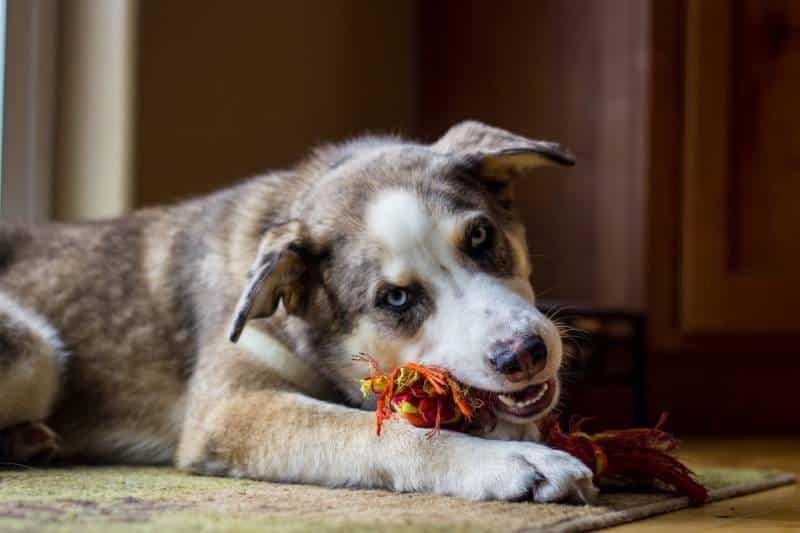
(218, 334)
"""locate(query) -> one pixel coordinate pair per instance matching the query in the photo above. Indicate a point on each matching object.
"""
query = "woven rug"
(119, 499)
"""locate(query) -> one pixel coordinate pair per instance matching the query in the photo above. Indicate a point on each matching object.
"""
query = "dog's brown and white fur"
(218, 334)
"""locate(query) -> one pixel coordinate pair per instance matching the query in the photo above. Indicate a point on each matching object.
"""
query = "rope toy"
(625, 458)
(429, 397)
(425, 396)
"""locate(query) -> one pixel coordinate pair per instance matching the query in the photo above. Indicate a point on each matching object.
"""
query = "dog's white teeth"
(511, 402)
(540, 394)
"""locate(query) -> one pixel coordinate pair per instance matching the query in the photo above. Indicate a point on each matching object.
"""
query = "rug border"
(616, 518)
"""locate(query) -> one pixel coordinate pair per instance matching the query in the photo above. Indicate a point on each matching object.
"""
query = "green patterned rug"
(121, 499)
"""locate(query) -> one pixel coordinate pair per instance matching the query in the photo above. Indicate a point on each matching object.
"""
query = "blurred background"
(672, 245)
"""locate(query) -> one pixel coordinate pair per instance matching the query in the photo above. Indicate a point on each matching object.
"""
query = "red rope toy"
(627, 457)
(429, 397)
(426, 396)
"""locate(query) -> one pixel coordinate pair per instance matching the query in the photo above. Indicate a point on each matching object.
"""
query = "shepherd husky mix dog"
(218, 334)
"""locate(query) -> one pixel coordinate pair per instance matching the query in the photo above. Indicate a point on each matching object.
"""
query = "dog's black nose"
(523, 359)
(534, 346)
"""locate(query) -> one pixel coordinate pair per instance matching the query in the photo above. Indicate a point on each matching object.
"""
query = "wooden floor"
(774, 510)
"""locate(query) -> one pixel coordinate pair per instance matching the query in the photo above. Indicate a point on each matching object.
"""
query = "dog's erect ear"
(500, 154)
(277, 275)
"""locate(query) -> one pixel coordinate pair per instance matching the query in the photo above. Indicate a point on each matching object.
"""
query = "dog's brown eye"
(479, 237)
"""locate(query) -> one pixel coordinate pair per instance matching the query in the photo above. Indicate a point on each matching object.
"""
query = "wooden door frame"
(664, 168)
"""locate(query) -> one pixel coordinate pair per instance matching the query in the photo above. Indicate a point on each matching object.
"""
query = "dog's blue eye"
(397, 298)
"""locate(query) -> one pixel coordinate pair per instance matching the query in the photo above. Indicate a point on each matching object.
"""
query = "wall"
(565, 70)
(228, 92)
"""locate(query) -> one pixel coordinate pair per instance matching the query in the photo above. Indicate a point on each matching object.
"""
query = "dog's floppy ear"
(277, 275)
(501, 155)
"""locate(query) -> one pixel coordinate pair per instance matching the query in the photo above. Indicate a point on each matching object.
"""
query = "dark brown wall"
(229, 89)
(566, 70)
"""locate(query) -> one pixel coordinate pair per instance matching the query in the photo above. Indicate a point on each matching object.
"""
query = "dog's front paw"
(565, 478)
(522, 470)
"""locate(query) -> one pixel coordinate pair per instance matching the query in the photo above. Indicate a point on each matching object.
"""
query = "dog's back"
(89, 295)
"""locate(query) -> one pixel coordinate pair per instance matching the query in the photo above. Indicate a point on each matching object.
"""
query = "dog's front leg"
(288, 437)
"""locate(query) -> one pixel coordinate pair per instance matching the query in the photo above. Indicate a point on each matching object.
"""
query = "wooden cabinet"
(741, 181)
(723, 176)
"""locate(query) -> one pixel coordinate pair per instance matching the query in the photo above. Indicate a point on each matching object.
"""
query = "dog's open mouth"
(525, 403)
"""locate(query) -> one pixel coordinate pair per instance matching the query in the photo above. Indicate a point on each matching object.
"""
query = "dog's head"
(409, 253)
